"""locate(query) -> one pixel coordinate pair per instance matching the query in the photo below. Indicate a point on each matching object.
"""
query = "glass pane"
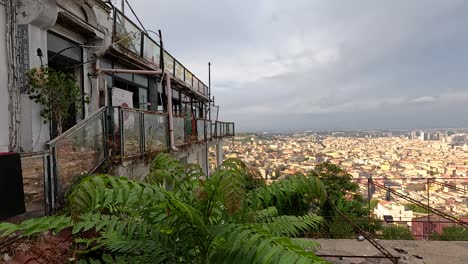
(195, 84)
(155, 132)
(179, 134)
(201, 129)
(143, 98)
(168, 62)
(151, 51)
(188, 78)
(33, 182)
(57, 44)
(79, 152)
(208, 129)
(141, 80)
(127, 34)
(131, 132)
(179, 71)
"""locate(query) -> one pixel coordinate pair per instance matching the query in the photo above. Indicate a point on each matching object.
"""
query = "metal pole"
(428, 215)
(122, 6)
(209, 90)
(368, 204)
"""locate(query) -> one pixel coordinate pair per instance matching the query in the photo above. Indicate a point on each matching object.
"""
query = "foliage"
(177, 215)
(415, 208)
(344, 194)
(57, 92)
(452, 233)
(396, 232)
(338, 182)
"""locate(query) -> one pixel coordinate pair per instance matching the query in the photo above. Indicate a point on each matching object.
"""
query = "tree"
(342, 194)
(176, 216)
(57, 92)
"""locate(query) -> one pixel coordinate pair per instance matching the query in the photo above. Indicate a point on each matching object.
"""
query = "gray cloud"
(324, 64)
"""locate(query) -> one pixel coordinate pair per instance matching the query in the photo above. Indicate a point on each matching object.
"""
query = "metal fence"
(224, 129)
(428, 208)
(131, 37)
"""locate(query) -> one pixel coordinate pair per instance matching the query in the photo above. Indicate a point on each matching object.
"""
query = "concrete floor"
(432, 252)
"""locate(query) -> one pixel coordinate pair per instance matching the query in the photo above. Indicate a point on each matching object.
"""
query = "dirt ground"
(415, 251)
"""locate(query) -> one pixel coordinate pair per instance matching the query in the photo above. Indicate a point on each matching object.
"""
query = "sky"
(320, 65)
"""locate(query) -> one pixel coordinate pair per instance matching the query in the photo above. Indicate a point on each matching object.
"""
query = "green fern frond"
(249, 244)
(36, 225)
(306, 243)
(292, 226)
(294, 194)
(265, 215)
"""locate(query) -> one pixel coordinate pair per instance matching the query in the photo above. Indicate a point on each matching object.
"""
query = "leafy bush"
(397, 233)
(452, 233)
(178, 216)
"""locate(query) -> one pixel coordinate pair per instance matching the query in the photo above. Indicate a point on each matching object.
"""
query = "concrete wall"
(4, 113)
(34, 132)
(39, 16)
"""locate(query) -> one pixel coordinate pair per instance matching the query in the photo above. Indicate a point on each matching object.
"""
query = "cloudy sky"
(315, 64)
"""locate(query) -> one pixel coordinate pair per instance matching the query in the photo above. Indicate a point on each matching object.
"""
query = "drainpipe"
(169, 111)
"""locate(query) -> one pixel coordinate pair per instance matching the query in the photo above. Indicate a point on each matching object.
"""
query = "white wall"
(39, 15)
(4, 113)
(34, 133)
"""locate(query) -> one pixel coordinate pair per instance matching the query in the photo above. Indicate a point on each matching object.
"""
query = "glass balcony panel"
(151, 50)
(33, 182)
(168, 63)
(79, 152)
(188, 78)
(179, 131)
(208, 129)
(127, 34)
(179, 71)
(131, 132)
(155, 132)
(200, 129)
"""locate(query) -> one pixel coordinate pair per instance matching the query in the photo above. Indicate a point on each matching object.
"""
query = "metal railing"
(114, 132)
(134, 132)
(224, 129)
(131, 37)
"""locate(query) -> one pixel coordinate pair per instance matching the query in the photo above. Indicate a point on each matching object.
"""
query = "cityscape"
(233, 132)
(403, 160)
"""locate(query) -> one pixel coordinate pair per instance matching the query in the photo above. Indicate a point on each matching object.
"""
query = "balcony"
(136, 42)
(123, 133)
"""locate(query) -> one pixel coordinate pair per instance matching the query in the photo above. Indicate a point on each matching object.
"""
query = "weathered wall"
(39, 16)
(4, 113)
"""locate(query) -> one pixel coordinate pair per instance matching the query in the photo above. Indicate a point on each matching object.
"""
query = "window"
(143, 98)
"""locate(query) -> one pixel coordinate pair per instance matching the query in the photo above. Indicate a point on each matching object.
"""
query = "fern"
(292, 226)
(38, 225)
(179, 215)
(255, 245)
(293, 195)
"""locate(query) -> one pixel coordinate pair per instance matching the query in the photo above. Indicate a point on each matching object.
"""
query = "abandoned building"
(137, 98)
